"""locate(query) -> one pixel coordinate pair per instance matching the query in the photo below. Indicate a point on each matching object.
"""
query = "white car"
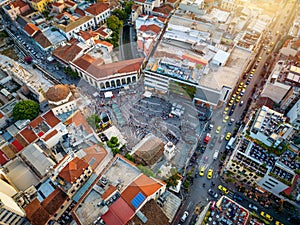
(254, 207)
(184, 216)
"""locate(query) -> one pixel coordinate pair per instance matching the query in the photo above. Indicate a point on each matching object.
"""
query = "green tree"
(113, 144)
(130, 157)
(120, 14)
(94, 120)
(128, 6)
(26, 109)
(172, 181)
(114, 23)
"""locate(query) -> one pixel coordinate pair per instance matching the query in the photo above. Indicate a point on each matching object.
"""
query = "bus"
(230, 143)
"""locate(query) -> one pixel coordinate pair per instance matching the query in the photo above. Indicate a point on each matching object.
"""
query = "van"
(215, 156)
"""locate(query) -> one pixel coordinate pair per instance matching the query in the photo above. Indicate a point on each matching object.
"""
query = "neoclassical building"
(108, 76)
(62, 98)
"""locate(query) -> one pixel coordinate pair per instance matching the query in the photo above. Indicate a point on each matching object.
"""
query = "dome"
(57, 92)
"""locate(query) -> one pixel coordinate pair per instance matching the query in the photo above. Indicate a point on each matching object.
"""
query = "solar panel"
(137, 200)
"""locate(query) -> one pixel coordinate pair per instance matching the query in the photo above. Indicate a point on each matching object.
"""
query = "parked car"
(228, 136)
(266, 216)
(223, 189)
(253, 207)
(201, 171)
(209, 174)
(218, 129)
(212, 193)
(184, 216)
(238, 197)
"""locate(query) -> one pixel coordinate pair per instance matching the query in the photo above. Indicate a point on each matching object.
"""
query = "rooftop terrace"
(227, 211)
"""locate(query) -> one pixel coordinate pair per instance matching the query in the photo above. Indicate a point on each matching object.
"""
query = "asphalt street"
(198, 194)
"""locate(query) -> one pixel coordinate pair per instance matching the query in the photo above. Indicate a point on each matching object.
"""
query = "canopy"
(108, 94)
(147, 94)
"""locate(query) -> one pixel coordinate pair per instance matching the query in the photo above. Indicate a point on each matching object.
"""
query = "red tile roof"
(79, 12)
(148, 185)
(94, 153)
(78, 119)
(119, 213)
(70, 3)
(54, 201)
(85, 61)
(85, 35)
(36, 214)
(154, 28)
(31, 29)
(102, 32)
(130, 192)
(28, 135)
(39, 213)
(72, 171)
(17, 145)
(105, 43)
(51, 119)
(41, 39)
(97, 8)
(37, 121)
(50, 135)
(67, 53)
(172, 1)
(57, 4)
(111, 189)
(18, 3)
(3, 158)
(165, 9)
(162, 19)
(99, 71)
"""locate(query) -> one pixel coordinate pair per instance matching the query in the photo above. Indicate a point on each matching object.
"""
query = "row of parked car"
(29, 49)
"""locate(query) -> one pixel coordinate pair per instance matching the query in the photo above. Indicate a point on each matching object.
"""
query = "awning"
(108, 94)
(147, 94)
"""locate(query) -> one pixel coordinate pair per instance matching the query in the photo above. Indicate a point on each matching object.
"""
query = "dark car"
(203, 149)
(238, 198)
(230, 112)
(212, 193)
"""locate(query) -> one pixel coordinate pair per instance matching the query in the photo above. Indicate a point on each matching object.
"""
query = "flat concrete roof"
(228, 74)
(21, 175)
(275, 91)
(121, 172)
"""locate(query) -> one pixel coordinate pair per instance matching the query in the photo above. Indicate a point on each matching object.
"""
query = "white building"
(84, 23)
(294, 114)
(100, 11)
(10, 212)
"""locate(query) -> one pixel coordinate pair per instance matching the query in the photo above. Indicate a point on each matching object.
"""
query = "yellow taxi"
(225, 119)
(259, 59)
(201, 171)
(210, 174)
(266, 216)
(226, 110)
(228, 136)
(218, 129)
(223, 189)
